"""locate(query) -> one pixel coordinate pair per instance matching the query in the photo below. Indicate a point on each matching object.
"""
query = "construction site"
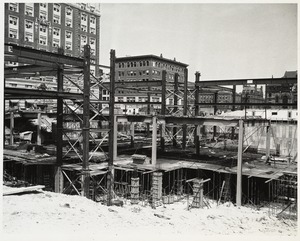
(155, 159)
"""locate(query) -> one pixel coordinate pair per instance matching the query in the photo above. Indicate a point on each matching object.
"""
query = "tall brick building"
(145, 68)
(47, 26)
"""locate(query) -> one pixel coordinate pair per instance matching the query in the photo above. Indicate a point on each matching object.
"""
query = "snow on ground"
(46, 214)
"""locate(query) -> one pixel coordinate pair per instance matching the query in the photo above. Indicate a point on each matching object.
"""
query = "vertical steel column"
(38, 138)
(115, 146)
(163, 109)
(197, 127)
(148, 109)
(59, 119)
(268, 140)
(100, 106)
(12, 126)
(233, 109)
(239, 165)
(175, 106)
(185, 105)
(132, 134)
(86, 123)
(154, 144)
(111, 127)
(215, 112)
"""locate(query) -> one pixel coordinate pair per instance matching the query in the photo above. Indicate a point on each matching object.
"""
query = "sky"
(221, 41)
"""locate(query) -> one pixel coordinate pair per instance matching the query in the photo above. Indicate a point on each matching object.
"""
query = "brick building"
(145, 68)
(252, 94)
(285, 93)
(47, 26)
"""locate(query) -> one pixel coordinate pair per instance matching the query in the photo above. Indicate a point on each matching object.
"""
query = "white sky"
(222, 41)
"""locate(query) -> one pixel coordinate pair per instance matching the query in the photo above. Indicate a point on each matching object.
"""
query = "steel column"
(239, 165)
(163, 108)
(197, 127)
(233, 109)
(12, 126)
(175, 106)
(185, 105)
(111, 127)
(59, 119)
(154, 144)
(38, 138)
(86, 122)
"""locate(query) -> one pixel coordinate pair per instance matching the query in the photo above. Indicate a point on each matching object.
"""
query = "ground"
(52, 216)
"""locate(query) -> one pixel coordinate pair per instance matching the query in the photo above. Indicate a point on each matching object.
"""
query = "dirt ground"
(52, 216)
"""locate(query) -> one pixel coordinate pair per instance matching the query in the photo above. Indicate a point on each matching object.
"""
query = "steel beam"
(248, 103)
(29, 61)
(197, 127)
(44, 56)
(36, 94)
(257, 81)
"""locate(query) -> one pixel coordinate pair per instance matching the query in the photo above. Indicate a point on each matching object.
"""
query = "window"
(43, 5)
(68, 46)
(56, 19)
(43, 29)
(56, 43)
(274, 113)
(28, 37)
(69, 12)
(29, 9)
(289, 114)
(56, 32)
(13, 33)
(14, 7)
(83, 17)
(68, 35)
(43, 40)
(43, 15)
(56, 8)
(92, 30)
(130, 99)
(13, 20)
(28, 31)
(120, 99)
(92, 20)
(83, 28)
(68, 22)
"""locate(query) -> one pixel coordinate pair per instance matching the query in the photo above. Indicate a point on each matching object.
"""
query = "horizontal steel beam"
(44, 56)
(10, 92)
(18, 59)
(201, 121)
(260, 81)
(138, 103)
(246, 104)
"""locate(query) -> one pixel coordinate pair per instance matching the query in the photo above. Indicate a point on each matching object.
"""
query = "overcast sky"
(222, 41)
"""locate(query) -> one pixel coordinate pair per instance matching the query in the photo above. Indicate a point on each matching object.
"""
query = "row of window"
(43, 15)
(143, 63)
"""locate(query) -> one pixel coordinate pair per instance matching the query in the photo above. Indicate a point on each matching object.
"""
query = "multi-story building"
(145, 68)
(284, 93)
(47, 26)
(252, 94)
(223, 96)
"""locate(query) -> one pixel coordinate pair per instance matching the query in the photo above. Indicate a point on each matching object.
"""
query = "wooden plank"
(19, 190)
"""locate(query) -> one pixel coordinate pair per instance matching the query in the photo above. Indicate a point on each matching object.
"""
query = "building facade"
(285, 93)
(252, 94)
(48, 26)
(145, 68)
(223, 96)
